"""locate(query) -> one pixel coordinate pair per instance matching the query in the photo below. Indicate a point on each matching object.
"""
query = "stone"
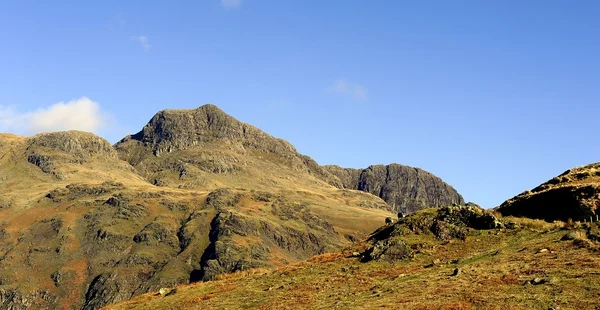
(164, 291)
(456, 272)
(572, 235)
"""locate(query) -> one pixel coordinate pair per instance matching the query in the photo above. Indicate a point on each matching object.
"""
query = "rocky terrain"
(195, 194)
(575, 194)
(455, 257)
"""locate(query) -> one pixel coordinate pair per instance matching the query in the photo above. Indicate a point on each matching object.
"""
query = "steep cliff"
(405, 189)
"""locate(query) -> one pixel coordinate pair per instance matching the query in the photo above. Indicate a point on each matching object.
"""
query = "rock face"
(173, 130)
(405, 189)
(574, 194)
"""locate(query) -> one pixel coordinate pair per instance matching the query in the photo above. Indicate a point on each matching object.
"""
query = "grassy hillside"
(523, 265)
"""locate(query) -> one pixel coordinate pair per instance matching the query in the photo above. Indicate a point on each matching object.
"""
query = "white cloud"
(231, 4)
(354, 90)
(80, 114)
(143, 41)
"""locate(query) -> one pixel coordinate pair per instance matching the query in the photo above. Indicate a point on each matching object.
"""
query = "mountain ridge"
(173, 130)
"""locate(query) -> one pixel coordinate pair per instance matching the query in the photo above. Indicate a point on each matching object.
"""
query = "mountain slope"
(80, 228)
(575, 194)
(433, 259)
(193, 195)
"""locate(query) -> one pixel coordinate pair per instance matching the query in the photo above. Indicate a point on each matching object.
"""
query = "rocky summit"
(194, 195)
(405, 189)
(575, 194)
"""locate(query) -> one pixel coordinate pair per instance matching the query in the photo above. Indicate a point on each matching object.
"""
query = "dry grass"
(535, 224)
(243, 274)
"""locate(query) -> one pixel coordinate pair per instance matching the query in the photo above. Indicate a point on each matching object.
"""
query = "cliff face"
(574, 194)
(405, 189)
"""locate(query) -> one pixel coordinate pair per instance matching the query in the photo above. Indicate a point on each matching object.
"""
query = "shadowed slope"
(574, 194)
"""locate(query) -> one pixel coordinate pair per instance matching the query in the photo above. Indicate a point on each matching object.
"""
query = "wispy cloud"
(117, 21)
(231, 4)
(80, 114)
(143, 41)
(352, 89)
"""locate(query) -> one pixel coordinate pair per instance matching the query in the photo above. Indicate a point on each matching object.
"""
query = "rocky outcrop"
(174, 130)
(77, 143)
(445, 223)
(575, 194)
(405, 189)
(297, 233)
(348, 176)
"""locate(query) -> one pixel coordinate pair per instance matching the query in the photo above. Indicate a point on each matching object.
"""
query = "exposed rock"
(110, 288)
(451, 222)
(348, 176)
(407, 189)
(573, 235)
(80, 144)
(456, 272)
(224, 255)
(511, 225)
(165, 291)
(575, 194)
(538, 281)
(387, 250)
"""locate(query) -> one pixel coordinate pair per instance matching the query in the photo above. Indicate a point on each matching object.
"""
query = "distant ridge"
(405, 189)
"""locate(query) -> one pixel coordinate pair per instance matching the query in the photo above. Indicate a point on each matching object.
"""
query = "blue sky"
(494, 97)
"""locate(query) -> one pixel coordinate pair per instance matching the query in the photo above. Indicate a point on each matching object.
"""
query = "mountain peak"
(173, 130)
